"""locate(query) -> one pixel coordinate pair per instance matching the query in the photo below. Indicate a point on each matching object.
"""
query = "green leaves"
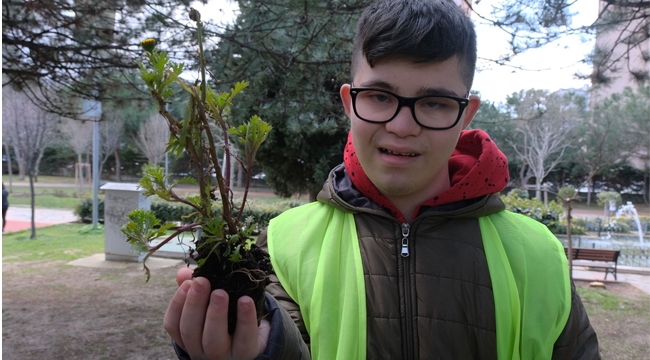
(153, 182)
(142, 228)
(252, 135)
(158, 77)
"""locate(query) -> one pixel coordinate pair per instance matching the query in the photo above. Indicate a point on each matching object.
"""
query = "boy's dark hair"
(422, 30)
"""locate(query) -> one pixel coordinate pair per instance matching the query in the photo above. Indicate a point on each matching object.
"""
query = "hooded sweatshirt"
(476, 168)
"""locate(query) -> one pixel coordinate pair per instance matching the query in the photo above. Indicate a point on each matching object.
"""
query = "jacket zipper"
(407, 290)
(405, 239)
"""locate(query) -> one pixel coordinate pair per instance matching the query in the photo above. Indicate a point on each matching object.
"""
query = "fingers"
(171, 322)
(197, 320)
(245, 344)
(183, 274)
(216, 340)
(193, 316)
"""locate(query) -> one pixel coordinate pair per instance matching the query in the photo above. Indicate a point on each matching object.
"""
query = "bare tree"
(79, 46)
(31, 130)
(111, 129)
(537, 23)
(545, 128)
(80, 137)
(152, 138)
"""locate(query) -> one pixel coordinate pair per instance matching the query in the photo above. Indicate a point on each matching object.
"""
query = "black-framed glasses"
(439, 112)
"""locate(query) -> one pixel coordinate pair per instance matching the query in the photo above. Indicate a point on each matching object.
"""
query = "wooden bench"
(596, 258)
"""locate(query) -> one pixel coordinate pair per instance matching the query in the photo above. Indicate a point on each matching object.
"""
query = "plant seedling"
(224, 249)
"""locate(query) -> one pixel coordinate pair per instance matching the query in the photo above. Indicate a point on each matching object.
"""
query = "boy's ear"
(346, 99)
(471, 110)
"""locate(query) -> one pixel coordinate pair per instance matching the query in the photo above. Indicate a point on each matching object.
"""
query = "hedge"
(181, 213)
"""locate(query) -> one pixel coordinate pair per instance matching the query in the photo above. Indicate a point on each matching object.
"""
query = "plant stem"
(243, 202)
(183, 201)
(199, 33)
(170, 237)
(223, 190)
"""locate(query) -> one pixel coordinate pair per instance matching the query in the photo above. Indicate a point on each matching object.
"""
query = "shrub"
(534, 209)
(631, 223)
(615, 226)
(576, 227)
(519, 192)
(172, 212)
(605, 197)
(181, 213)
(260, 218)
(85, 211)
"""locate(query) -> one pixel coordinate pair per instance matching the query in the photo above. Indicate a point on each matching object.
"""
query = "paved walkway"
(637, 277)
(19, 218)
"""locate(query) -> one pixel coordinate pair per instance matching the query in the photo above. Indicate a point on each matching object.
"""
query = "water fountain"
(628, 209)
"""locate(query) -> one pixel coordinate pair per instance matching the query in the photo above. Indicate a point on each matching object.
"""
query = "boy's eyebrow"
(434, 91)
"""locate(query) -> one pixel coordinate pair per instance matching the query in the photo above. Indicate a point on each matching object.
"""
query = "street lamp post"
(93, 110)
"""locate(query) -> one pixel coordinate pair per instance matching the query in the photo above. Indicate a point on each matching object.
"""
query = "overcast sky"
(550, 68)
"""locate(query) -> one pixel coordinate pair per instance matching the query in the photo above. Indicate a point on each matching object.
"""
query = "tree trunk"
(118, 172)
(21, 169)
(31, 190)
(21, 164)
(522, 176)
(538, 188)
(589, 192)
(38, 163)
(10, 169)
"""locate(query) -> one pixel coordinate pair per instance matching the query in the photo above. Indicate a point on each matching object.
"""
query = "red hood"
(476, 168)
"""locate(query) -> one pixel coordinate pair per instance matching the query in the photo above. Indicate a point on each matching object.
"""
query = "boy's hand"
(197, 321)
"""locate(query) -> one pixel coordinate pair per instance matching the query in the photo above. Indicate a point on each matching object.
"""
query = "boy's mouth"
(390, 152)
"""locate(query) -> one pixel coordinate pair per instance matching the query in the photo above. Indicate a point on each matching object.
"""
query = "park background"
(569, 106)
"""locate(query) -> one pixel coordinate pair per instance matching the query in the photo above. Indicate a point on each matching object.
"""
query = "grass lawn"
(65, 242)
(43, 179)
(620, 314)
(49, 197)
(56, 192)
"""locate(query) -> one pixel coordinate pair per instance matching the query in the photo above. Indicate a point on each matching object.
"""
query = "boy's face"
(405, 161)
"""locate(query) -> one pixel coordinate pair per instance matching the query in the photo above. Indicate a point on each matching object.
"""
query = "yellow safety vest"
(315, 253)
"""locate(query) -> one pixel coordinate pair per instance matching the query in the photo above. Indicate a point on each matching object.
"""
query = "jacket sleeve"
(578, 339)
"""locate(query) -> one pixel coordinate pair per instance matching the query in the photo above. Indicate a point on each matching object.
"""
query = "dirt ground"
(51, 310)
(621, 320)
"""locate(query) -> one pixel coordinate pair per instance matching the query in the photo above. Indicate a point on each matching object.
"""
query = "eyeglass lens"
(378, 106)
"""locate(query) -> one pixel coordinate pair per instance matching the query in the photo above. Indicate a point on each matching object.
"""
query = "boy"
(409, 253)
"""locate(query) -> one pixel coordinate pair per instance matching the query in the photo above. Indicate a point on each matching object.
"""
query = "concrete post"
(119, 200)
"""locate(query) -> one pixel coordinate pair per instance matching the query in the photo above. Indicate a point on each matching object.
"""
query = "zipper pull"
(405, 240)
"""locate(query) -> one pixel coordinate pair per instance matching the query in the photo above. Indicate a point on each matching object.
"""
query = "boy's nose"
(404, 124)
